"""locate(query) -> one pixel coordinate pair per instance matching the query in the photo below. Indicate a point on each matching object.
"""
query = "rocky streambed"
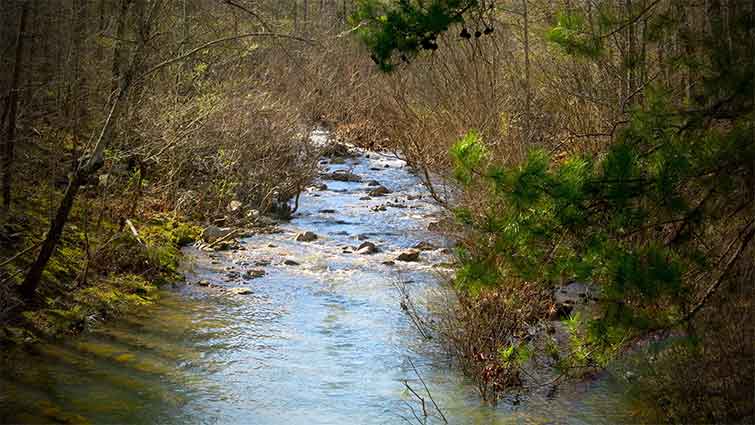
(303, 325)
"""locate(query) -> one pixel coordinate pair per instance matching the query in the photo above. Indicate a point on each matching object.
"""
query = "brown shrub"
(478, 329)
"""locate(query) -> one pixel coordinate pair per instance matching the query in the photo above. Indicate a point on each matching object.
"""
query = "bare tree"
(12, 110)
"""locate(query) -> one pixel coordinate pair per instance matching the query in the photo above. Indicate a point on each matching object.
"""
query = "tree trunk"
(305, 16)
(296, 16)
(120, 32)
(87, 166)
(78, 90)
(685, 45)
(10, 141)
(31, 281)
(527, 85)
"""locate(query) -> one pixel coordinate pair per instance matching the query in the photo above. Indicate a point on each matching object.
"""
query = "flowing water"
(321, 342)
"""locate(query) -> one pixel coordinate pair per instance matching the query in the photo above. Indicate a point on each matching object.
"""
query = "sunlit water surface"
(324, 342)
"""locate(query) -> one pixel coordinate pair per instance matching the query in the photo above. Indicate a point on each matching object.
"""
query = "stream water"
(321, 342)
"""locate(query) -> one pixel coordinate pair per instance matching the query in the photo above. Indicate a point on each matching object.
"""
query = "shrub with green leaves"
(657, 221)
(656, 215)
(637, 223)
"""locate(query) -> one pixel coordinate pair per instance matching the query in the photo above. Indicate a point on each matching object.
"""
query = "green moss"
(122, 273)
(55, 413)
(162, 229)
(67, 314)
(124, 358)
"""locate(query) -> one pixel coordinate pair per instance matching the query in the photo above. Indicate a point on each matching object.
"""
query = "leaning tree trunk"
(10, 141)
(88, 165)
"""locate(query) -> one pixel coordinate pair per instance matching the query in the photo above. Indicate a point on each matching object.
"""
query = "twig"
(631, 21)
(256, 15)
(20, 253)
(11, 276)
(427, 390)
(134, 232)
(220, 41)
(421, 399)
(414, 413)
(411, 310)
(714, 287)
(230, 235)
(351, 30)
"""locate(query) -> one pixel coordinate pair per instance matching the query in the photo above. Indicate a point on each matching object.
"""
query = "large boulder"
(229, 245)
(379, 191)
(306, 237)
(367, 248)
(408, 255)
(336, 149)
(320, 186)
(253, 274)
(212, 233)
(341, 176)
(424, 246)
(234, 206)
(569, 297)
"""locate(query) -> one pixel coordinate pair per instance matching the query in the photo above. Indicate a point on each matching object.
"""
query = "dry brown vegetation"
(150, 113)
(230, 123)
(520, 91)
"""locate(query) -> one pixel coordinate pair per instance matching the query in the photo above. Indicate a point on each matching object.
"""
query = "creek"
(322, 341)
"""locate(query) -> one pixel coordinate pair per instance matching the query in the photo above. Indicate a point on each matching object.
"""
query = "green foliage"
(515, 355)
(572, 34)
(162, 239)
(650, 220)
(591, 343)
(468, 153)
(582, 219)
(117, 274)
(406, 26)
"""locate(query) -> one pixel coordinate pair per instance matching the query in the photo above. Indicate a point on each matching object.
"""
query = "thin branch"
(20, 253)
(256, 15)
(427, 390)
(717, 284)
(351, 30)
(631, 21)
(220, 41)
